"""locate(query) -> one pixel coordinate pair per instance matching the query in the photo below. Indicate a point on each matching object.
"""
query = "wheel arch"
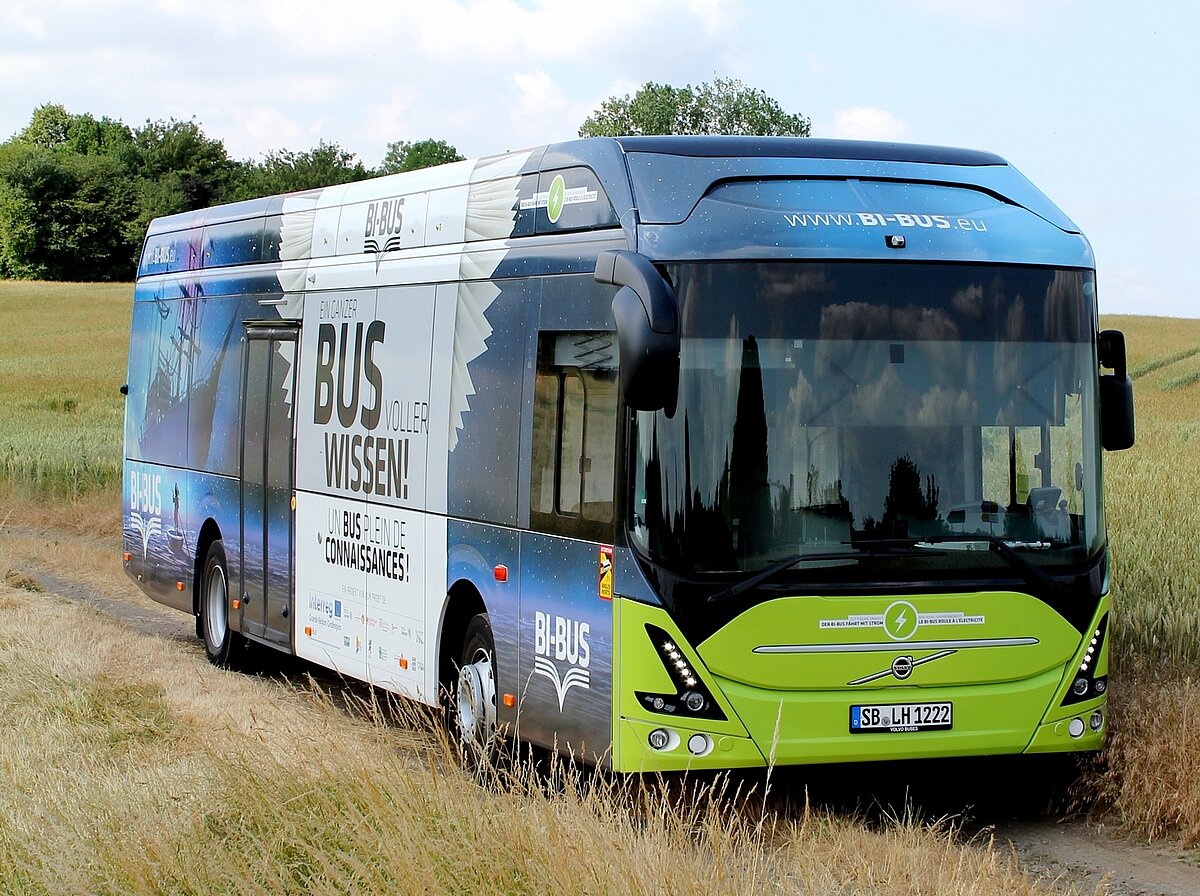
(209, 532)
(463, 603)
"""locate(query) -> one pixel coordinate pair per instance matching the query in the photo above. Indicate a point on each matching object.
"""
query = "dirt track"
(1072, 852)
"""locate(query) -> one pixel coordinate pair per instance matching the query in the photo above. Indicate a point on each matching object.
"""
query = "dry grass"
(1147, 774)
(132, 768)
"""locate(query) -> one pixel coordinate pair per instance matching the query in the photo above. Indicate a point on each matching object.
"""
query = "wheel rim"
(215, 607)
(477, 700)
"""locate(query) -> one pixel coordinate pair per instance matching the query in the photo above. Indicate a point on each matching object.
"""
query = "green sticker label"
(555, 199)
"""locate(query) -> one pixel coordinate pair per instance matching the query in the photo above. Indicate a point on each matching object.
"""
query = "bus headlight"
(659, 739)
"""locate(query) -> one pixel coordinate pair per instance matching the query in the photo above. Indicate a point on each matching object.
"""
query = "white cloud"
(1012, 15)
(867, 123)
(539, 94)
(19, 20)
(717, 16)
(259, 129)
(389, 121)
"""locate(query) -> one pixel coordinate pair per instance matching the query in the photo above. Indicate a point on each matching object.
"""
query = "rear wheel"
(473, 701)
(220, 643)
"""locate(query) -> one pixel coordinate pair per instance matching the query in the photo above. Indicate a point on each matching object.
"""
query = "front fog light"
(659, 739)
(699, 744)
(1097, 720)
(1076, 728)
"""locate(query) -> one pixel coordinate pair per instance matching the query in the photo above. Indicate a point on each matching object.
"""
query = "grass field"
(62, 362)
(132, 767)
(105, 745)
(1148, 777)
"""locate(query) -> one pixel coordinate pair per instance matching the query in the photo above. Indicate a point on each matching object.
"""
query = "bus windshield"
(877, 412)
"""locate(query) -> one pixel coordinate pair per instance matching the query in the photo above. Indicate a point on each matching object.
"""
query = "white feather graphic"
(295, 247)
(147, 527)
(490, 215)
(575, 677)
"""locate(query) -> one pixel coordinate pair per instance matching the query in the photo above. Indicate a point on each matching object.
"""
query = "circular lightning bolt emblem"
(900, 620)
(556, 198)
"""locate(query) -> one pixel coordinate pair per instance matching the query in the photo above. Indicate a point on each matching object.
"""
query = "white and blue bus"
(670, 452)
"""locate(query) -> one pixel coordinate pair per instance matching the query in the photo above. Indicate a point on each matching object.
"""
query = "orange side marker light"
(510, 700)
(308, 630)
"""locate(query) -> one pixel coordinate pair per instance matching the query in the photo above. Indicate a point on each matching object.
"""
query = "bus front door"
(267, 481)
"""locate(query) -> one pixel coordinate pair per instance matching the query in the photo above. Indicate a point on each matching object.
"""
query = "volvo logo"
(902, 667)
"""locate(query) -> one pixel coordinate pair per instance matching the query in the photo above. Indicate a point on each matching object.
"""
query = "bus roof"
(662, 181)
(806, 148)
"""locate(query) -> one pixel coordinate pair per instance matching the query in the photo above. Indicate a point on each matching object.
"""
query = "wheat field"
(124, 760)
(62, 361)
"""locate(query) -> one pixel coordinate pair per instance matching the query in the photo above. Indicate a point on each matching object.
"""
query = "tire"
(220, 642)
(472, 702)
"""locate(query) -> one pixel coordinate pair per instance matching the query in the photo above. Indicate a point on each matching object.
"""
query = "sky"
(1097, 102)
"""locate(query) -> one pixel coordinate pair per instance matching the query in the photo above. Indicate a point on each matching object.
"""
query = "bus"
(664, 452)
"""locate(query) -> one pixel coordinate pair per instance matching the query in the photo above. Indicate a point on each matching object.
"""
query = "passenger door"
(267, 463)
(565, 639)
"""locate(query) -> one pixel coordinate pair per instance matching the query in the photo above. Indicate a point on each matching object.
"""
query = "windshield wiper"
(791, 560)
(1007, 550)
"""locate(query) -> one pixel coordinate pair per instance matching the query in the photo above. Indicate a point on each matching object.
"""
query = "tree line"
(77, 192)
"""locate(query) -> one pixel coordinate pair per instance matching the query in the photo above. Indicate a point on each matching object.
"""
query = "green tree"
(724, 106)
(181, 155)
(285, 171)
(77, 192)
(63, 214)
(52, 127)
(48, 127)
(404, 155)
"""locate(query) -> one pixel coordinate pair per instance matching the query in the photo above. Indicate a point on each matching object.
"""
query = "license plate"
(898, 718)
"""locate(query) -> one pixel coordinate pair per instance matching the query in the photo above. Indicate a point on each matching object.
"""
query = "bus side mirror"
(646, 313)
(1116, 393)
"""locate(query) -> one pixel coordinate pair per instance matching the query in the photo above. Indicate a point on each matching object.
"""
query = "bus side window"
(545, 439)
(574, 435)
(572, 461)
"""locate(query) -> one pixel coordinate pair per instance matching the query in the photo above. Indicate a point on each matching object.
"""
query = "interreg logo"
(325, 606)
(557, 639)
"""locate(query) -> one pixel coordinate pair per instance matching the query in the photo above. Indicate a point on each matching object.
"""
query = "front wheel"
(220, 642)
(473, 701)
